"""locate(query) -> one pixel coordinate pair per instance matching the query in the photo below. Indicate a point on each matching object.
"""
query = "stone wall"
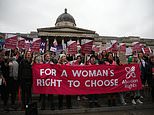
(128, 40)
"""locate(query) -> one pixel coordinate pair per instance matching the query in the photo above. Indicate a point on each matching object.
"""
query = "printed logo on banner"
(131, 80)
(130, 72)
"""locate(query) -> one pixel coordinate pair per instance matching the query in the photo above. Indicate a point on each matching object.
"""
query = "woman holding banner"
(110, 61)
(135, 95)
(63, 61)
(93, 101)
(47, 60)
(78, 61)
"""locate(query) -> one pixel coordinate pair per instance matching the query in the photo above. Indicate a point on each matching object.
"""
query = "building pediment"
(65, 30)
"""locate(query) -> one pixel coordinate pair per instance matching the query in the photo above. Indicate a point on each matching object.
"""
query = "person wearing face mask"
(25, 79)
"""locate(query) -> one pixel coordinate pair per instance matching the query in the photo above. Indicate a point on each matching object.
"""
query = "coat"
(25, 71)
(151, 75)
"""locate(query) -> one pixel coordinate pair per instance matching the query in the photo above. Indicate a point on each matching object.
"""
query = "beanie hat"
(77, 55)
(61, 55)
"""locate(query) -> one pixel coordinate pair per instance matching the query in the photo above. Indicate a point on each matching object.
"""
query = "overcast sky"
(106, 17)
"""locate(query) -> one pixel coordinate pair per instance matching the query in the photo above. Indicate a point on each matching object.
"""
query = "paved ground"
(145, 109)
(81, 107)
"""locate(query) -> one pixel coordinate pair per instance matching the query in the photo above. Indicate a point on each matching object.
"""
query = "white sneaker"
(133, 102)
(78, 98)
(141, 97)
(84, 98)
(124, 103)
(139, 101)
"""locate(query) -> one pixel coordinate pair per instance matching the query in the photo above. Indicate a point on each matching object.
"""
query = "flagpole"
(17, 40)
(10, 54)
(47, 47)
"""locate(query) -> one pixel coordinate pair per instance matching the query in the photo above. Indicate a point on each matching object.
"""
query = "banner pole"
(10, 54)
(85, 59)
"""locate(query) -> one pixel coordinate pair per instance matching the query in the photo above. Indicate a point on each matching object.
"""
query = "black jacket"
(151, 76)
(144, 72)
(25, 71)
(4, 69)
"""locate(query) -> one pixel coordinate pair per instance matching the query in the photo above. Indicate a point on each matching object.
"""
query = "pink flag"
(11, 41)
(36, 44)
(141, 45)
(86, 46)
(136, 46)
(27, 45)
(146, 50)
(95, 48)
(113, 46)
(122, 47)
(21, 42)
(72, 47)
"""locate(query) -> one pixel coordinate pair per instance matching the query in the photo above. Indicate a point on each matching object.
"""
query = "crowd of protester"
(16, 71)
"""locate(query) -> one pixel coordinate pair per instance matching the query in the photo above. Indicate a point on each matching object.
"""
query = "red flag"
(11, 41)
(27, 45)
(146, 50)
(95, 48)
(72, 47)
(21, 42)
(113, 46)
(86, 46)
(36, 45)
(136, 46)
(141, 46)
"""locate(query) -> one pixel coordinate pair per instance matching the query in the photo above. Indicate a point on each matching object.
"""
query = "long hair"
(26, 55)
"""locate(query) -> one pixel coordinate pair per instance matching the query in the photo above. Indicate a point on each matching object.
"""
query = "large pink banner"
(76, 80)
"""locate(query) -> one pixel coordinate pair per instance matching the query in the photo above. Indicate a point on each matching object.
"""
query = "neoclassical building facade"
(65, 29)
